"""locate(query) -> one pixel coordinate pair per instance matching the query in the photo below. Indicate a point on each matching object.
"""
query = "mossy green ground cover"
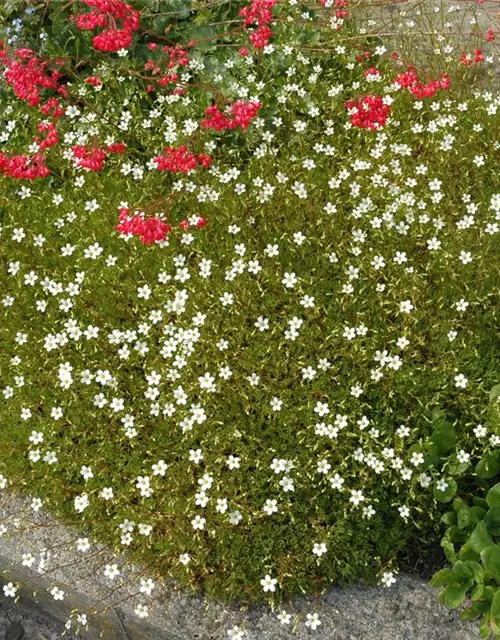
(291, 390)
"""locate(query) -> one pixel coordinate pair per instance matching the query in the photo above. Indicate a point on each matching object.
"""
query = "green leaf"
(461, 572)
(477, 513)
(490, 557)
(489, 465)
(441, 578)
(484, 629)
(478, 571)
(495, 607)
(438, 414)
(444, 436)
(449, 518)
(449, 549)
(463, 519)
(480, 538)
(477, 592)
(455, 595)
(448, 494)
(480, 502)
(495, 393)
(493, 496)
(469, 613)
(492, 519)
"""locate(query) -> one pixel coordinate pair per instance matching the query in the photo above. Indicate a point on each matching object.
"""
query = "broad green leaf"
(441, 578)
(490, 557)
(468, 614)
(477, 592)
(493, 496)
(477, 513)
(495, 608)
(489, 465)
(484, 629)
(438, 414)
(495, 393)
(463, 519)
(478, 571)
(492, 519)
(480, 502)
(455, 595)
(444, 436)
(448, 494)
(480, 538)
(449, 518)
(449, 549)
(461, 572)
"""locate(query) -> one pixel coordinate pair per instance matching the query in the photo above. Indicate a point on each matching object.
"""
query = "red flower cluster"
(24, 167)
(93, 158)
(260, 12)
(52, 107)
(467, 59)
(178, 55)
(242, 115)
(28, 75)
(410, 80)
(93, 80)
(105, 14)
(185, 224)
(180, 160)
(148, 229)
(50, 139)
(370, 112)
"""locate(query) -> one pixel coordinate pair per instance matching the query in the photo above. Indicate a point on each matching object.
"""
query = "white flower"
(184, 558)
(289, 280)
(83, 544)
(236, 633)
(287, 483)
(10, 590)
(417, 458)
(270, 506)
(463, 457)
(319, 548)
(461, 381)
(81, 502)
(57, 594)
(268, 583)
(442, 485)
(388, 578)
(404, 511)
(312, 621)
(284, 617)
(321, 409)
(276, 404)
(233, 462)
(406, 306)
(159, 468)
(141, 611)
(111, 571)
(198, 522)
(356, 496)
(147, 586)
(262, 324)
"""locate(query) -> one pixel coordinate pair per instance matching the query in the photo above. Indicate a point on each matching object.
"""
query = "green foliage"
(472, 545)
(373, 428)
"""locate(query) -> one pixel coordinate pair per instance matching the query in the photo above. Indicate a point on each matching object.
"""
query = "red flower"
(368, 113)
